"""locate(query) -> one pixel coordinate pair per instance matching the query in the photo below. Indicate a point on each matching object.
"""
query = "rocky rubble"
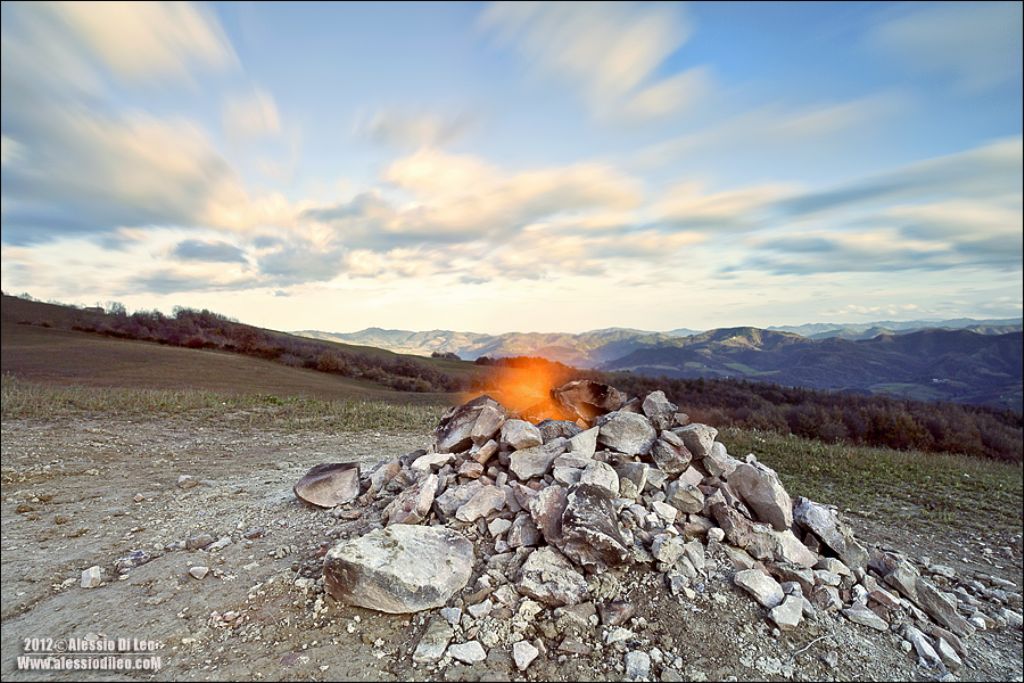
(517, 533)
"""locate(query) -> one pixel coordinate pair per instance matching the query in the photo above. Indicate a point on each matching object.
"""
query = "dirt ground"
(69, 502)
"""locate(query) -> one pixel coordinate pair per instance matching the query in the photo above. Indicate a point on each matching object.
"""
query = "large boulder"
(454, 433)
(586, 399)
(548, 577)
(759, 487)
(629, 433)
(824, 523)
(590, 528)
(329, 484)
(400, 569)
(698, 438)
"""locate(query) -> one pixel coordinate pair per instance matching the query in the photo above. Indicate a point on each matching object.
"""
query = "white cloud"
(251, 115)
(977, 45)
(612, 51)
(138, 41)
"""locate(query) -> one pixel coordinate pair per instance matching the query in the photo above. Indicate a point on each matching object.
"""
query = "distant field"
(44, 355)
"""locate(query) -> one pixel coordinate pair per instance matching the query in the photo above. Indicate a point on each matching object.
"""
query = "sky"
(516, 167)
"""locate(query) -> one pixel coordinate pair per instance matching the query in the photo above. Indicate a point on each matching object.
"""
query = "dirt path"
(69, 502)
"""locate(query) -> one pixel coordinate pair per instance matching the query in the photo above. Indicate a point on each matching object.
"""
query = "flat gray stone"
(467, 653)
(434, 641)
(520, 434)
(698, 438)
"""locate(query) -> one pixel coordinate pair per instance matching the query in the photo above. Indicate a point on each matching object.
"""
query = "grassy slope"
(16, 312)
(929, 489)
(80, 358)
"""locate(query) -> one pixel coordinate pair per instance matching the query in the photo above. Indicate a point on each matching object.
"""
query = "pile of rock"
(533, 517)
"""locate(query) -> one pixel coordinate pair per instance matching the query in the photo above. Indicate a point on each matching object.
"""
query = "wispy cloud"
(404, 129)
(974, 45)
(251, 115)
(613, 52)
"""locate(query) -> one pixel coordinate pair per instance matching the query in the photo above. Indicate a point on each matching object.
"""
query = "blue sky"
(496, 167)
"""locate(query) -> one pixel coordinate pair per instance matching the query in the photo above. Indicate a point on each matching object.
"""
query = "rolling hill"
(949, 365)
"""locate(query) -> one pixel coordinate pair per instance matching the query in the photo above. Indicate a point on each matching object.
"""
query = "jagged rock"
(698, 438)
(789, 614)
(833, 565)
(572, 460)
(485, 452)
(756, 539)
(628, 433)
(665, 511)
(684, 497)
(824, 523)
(546, 510)
(788, 548)
(759, 487)
(670, 454)
(400, 569)
(488, 422)
(638, 666)
(431, 462)
(434, 641)
(552, 429)
(383, 474)
(455, 497)
(762, 587)
(897, 572)
(719, 463)
(549, 577)
(616, 612)
(590, 529)
(454, 431)
(536, 461)
(948, 655)
(524, 532)
(412, 505)
(485, 501)
(667, 549)
(471, 469)
(803, 576)
(520, 434)
(692, 476)
(523, 654)
(941, 607)
(860, 614)
(467, 653)
(659, 410)
(632, 478)
(925, 652)
(329, 485)
(92, 577)
(601, 475)
(586, 399)
(567, 476)
(584, 444)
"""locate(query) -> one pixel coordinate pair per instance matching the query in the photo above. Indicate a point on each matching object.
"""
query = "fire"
(525, 385)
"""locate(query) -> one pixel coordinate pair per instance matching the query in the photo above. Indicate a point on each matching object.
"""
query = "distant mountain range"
(963, 360)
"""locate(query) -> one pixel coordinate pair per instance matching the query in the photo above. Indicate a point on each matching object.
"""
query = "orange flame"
(524, 387)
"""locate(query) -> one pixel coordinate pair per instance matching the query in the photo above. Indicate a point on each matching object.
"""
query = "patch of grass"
(904, 486)
(23, 399)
